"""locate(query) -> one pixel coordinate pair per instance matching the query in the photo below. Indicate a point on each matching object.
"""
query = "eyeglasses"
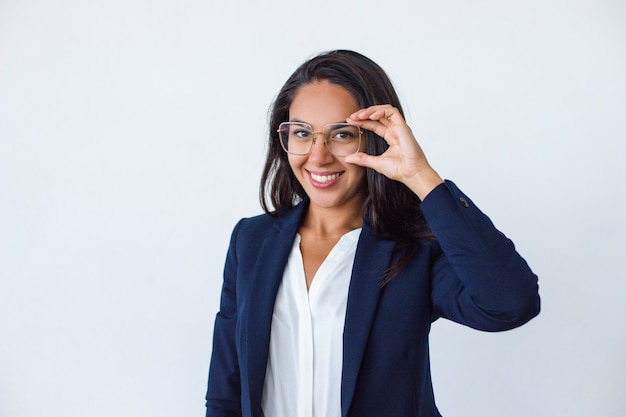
(341, 139)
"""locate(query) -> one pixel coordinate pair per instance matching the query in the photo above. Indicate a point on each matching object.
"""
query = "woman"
(328, 298)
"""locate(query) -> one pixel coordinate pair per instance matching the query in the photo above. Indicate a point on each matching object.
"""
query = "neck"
(333, 222)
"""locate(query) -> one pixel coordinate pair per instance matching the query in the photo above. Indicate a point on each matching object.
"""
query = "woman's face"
(327, 179)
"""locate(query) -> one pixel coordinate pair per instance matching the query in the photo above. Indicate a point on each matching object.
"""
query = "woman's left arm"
(477, 277)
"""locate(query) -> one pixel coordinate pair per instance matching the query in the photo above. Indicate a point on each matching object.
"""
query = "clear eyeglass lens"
(341, 138)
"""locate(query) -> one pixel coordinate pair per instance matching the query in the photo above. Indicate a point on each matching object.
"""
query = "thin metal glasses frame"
(325, 135)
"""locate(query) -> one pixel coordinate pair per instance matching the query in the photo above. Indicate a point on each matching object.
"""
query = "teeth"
(324, 178)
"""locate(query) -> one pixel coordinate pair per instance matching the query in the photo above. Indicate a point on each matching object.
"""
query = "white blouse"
(304, 366)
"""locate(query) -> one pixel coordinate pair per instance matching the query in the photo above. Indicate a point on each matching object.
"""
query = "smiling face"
(328, 180)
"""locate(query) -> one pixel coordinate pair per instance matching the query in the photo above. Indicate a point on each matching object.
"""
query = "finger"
(367, 111)
(383, 113)
(372, 125)
(368, 114)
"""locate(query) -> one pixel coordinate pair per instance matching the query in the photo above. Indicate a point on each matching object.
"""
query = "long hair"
(390, 208)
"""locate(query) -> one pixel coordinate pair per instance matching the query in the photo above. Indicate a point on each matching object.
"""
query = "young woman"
(328, 298)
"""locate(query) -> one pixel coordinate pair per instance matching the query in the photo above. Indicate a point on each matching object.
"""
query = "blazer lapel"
(271, 262)
(372, 258)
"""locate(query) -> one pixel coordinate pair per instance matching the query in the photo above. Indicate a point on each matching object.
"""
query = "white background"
(132, 139)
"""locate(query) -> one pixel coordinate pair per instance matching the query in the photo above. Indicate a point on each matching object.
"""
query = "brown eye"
(302, 133)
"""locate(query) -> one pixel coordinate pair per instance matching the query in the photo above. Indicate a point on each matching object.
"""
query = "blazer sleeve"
(478, 278)
(223, 398)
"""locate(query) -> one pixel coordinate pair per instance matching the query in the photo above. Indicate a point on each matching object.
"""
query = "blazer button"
(464, 202)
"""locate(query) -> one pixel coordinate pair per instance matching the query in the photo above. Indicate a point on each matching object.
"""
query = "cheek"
(295, 162)
(358, 173)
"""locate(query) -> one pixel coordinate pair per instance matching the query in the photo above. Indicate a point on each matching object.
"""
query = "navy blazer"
(471, 274)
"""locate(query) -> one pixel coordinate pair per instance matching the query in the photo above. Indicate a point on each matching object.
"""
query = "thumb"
(362, 159)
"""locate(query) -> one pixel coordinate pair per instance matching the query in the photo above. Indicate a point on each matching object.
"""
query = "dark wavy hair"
(390, 208)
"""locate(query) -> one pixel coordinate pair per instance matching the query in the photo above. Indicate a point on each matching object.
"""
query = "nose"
(320, 154)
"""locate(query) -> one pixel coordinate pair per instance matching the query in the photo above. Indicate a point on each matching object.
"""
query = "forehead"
(322, 102)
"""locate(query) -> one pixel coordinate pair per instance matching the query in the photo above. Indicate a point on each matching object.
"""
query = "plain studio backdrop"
(132, 138)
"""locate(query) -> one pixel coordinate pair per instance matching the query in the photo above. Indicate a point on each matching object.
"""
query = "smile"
(323, 179)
